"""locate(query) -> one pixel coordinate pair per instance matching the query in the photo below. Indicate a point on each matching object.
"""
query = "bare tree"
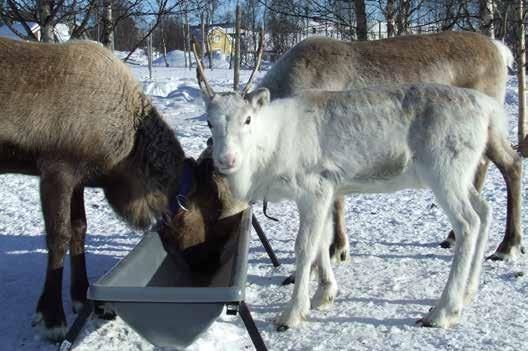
(47, 14)
(188, 37)
(236, 73)
(486, 18)
(203, 35)
(361, 19)
(209, 21)
(389, 16)
(107, 38)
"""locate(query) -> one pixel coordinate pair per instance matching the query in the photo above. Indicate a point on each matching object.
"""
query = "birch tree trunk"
(402, 19)
(185, 47)
(486, 18)
(236, 75)
(107, 38)
(361, 20)
(521, 74)
(208, 20)
(188, 38)
(202, 30)
(163, 43)
(149, 55)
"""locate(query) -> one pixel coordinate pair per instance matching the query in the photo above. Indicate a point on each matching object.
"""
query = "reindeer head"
(230, 116)
(210, 213)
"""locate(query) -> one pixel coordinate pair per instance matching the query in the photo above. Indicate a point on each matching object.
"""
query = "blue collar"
(178, 201)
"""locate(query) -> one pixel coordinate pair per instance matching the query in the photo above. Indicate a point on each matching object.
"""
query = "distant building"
(6, 32)
(62, 32)
(220, 41)
(220, 37)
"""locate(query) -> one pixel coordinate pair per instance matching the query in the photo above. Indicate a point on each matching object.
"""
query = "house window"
(216, 38)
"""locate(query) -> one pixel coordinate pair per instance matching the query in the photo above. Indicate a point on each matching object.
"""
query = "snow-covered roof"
(6, 32)
(62, 32)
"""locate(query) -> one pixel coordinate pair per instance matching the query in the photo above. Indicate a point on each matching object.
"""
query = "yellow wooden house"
(220, 38)
(220, 41)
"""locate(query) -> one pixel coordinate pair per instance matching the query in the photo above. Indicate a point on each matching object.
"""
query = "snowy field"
(395, 271)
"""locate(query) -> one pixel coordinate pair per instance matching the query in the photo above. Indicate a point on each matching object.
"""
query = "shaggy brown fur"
(74, 115)
(461, 59)
(210, 208)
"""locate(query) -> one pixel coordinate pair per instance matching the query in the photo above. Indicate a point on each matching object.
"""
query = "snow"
(138, 57)
(395, 271)
(176, 58)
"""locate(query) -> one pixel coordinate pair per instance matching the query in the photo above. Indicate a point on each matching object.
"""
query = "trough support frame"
(249, 323)
(264, 241)
(77, 326)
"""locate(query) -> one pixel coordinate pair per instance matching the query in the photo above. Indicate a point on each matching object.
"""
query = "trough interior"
(209, 264)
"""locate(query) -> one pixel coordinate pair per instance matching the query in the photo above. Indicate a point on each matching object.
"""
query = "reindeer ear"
(258, 97)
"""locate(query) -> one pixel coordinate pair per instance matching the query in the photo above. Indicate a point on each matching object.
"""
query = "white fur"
(506, 53)
(55, 333)
(311, 147)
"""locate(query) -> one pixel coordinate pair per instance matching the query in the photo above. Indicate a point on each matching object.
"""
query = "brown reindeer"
(75, 116)
(462, 59)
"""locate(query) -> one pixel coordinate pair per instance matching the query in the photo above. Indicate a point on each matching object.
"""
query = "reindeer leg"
(79, 277)
(326, 292)
(339, 246)
(466, 222)
(56, 188)
(313, 211)
(510, 165)
(478, 183)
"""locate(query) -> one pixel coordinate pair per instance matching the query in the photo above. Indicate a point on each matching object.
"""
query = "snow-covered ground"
(176, 59)
(395, 271)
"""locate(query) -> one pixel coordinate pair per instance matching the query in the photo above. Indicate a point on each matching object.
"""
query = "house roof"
(227, 27)
(62, 32)
(6, 32)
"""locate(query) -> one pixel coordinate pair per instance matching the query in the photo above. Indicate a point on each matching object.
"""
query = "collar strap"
(178, 201)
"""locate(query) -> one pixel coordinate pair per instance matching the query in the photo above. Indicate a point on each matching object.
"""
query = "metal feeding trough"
(171, 301)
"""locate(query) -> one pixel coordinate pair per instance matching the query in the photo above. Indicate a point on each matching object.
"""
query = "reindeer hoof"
(495, 257)
(422, 322)
(51, 330)
(446, 244)
(338, 255)
(289, 280)
(282, 328)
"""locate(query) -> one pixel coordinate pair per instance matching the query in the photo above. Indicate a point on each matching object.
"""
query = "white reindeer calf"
(373, 140)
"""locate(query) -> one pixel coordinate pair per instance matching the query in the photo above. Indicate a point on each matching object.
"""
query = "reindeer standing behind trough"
(463, 59)
(74, 115)
(373, 140)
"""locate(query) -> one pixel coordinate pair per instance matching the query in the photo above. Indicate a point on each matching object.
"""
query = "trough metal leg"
(251, 328)
(77, 326)
(264, 241)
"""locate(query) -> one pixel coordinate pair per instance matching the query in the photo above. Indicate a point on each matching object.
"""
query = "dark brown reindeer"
(75, 116)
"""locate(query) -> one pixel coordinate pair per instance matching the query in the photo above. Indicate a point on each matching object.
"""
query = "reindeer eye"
(209, 125)
(248, 120)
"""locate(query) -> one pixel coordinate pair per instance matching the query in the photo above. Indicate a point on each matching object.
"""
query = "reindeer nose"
(228, 160)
